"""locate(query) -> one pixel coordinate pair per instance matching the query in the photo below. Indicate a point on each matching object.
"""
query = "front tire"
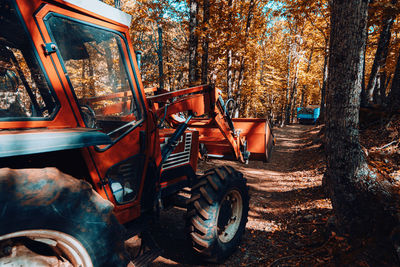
(217, 213)
(59, 217)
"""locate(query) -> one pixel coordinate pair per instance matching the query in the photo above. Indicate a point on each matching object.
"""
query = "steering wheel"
(88, 116)
(230, 107)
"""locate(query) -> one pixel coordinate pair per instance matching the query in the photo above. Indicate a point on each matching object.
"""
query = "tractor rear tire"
(44, 208)
(217, 213)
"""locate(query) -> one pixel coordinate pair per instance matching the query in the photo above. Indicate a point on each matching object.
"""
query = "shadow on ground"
(288, 209)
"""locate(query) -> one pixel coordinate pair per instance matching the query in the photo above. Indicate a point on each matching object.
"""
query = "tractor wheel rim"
(228, 230)
(66, 246)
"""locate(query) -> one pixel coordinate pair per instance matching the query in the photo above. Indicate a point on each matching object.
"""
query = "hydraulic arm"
(222, 136)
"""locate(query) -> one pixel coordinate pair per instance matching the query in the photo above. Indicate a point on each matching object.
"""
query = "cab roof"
(102, 9)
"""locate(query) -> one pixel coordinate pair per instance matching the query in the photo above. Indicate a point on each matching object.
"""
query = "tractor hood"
(25, 142)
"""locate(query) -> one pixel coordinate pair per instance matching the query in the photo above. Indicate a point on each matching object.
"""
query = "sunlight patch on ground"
(263, 173)
(264, 226)
(314, 204)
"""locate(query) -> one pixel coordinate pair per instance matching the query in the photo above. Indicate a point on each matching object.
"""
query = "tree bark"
(193, 41)
(204, 59)
(363, 88)
(363, 202)
(286, 112)
(304, 86)
(243, 58)
(394, 94)
(376, 91)
(229, 55)
(323, 89)
(110, 68)
(345, 160)
(294, 101)
(160, 59)
(380, 58)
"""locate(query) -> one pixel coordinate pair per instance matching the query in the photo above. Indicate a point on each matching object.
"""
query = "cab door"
(100, 77)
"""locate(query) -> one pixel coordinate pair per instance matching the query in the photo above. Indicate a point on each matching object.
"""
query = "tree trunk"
(363, 88)
(204, 59)
(160, 59)
(91, 77)
(344, 155)
(304, 86)
(293, 90)
(193, 41)
(286, 118)
(294, 102)
(380, 58)
(243, 58)
(394, 94)
(302, 97)
(229, 55)
(362, 200)
(110, 68)
(385, 80)
(376, 91)
(322, 115)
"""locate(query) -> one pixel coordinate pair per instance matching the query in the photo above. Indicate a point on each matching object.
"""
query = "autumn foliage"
(270, 56)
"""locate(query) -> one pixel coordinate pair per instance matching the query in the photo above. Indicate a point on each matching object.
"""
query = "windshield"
(95, 63)
(24, 91)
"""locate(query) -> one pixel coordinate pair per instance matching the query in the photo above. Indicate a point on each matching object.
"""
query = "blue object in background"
(308, 115)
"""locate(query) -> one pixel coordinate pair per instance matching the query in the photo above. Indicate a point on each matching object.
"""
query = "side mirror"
(138, 58)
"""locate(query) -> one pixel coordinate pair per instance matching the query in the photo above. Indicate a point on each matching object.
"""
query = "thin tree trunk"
(363, 87)
(304, 86)
(160, 59)
(381, 80)
(293, 91)
(229, 54)
(110, 68)
(385, 80)
(193, 41)
(380, 58)
(294, 101)
(243, 58)
(286, 118)
(382, 88)
(204, 59)
(322, 116)
(376, 91)
(229, 74)
(302, 98)
(91, 77)
(394, 94)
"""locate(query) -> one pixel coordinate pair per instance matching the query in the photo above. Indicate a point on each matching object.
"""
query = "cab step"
(149, 250)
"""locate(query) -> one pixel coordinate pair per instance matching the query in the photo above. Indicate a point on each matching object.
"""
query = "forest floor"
(288, 210)
(289, 219)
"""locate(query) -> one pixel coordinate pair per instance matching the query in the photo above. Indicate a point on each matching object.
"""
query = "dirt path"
(288, 210)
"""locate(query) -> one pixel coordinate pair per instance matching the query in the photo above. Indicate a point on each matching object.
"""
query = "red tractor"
(86, 156)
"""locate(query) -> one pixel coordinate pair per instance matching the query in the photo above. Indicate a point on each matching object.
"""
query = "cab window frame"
(125, 54)
(42, 70)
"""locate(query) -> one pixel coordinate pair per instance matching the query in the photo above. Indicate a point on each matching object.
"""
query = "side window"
(95, 63)
(24, 92)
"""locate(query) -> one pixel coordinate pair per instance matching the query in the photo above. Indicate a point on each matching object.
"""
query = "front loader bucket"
(256, 133)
